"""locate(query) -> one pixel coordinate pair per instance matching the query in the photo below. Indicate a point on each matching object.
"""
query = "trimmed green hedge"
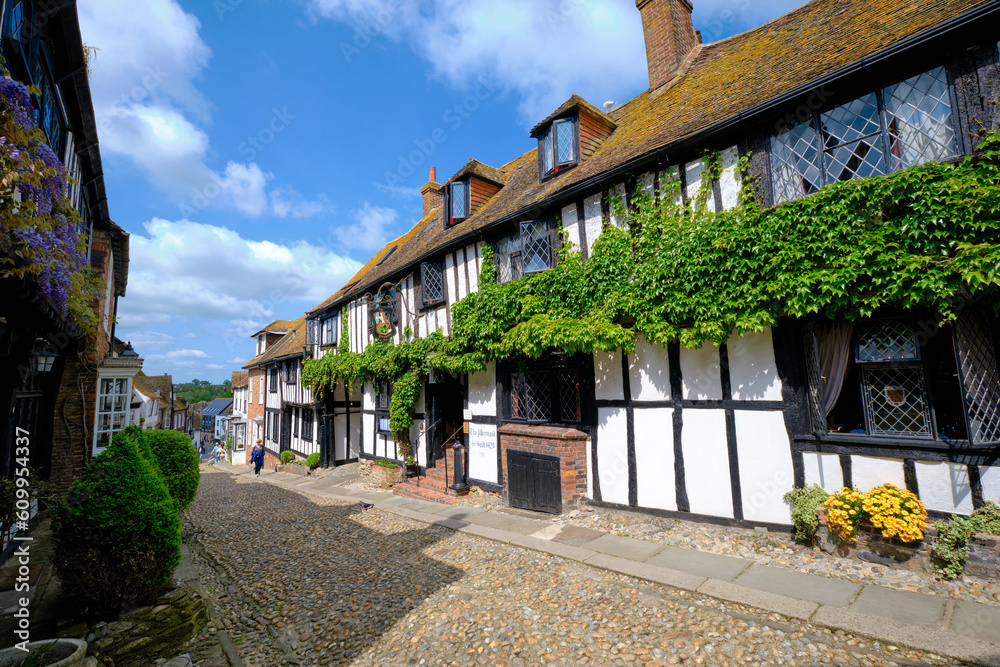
(178, 461)
(117, 535)
(313, 460)
(287, 456)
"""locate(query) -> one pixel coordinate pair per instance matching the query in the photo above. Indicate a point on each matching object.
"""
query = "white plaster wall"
(419, 440)
(649, 372)
(990, 476)
(729, 182)
(944, 486)
(571, 225)
(482, 392)
(752, 370)
(669, 183)
(612, 455)
(593, 222)
(442, 321)
(693, 172)
(765, 465)
(463, 284)
(355, 435)
(701, 373)
(369, 400)
(451, 288)
(471, 258)
(340, 437)
(608, 376)
(823, 469)
(867, 472)
(654, 458)
(706, 462)
(645, 184)
(369, 433)
(617, 192)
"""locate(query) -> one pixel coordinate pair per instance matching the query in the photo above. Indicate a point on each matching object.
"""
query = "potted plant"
(62, 652)
(412, 469)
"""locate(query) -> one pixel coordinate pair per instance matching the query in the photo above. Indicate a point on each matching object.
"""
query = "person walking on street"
(257, 456)
(217, 453)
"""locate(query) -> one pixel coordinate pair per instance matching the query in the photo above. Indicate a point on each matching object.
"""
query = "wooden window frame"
(306, 430)
(551, 363)
(551, 135)
(424, 301)
(272, 380)
(448, 220)
(383, 398)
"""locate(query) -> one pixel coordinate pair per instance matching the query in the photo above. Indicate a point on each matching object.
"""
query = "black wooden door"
(533, 482)
(444, 415)
(286, 430)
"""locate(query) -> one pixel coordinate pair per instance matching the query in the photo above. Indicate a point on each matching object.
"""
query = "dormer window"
(558, 147)
(457, 195)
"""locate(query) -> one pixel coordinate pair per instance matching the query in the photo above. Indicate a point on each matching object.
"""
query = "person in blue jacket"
(257, 456)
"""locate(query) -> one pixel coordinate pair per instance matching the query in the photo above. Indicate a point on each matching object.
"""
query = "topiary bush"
(313, 460)
(177, 460)
(117, 534)
(287, 456)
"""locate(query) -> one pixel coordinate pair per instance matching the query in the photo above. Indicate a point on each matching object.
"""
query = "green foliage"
(386, 463)
(177, 460)
(313, 460)
(952, 546)
(287, 456)
(804, 501)
(37, 656)
(117, 535)
(202, 390)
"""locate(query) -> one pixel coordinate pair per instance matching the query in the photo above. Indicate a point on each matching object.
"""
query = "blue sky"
(259, 151)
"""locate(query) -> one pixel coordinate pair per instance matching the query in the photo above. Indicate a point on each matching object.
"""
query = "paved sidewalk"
(965, 630)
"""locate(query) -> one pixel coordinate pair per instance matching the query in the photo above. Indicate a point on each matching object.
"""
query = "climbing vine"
(39, 237)
(926, 237)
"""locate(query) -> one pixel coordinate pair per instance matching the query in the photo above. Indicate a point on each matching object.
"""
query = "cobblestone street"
(312, 580)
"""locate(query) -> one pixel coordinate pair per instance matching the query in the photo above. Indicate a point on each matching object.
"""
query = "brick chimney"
(433, 192)
(670, 38)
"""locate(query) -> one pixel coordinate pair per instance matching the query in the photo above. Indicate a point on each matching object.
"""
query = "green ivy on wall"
(928, 236)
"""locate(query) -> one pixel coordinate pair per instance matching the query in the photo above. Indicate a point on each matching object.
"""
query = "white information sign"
(483, 452)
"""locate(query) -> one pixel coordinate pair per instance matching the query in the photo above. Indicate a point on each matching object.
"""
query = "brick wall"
(670, 37)
(567, 444)
(73, 423)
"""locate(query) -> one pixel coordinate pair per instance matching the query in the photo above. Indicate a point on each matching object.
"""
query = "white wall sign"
(483, 452)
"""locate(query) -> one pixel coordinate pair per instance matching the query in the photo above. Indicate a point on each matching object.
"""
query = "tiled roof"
(575, 102)
(726, 79)
(216, 407)
(483, 171)
(290, 344)
(277, 326)
(240, 379)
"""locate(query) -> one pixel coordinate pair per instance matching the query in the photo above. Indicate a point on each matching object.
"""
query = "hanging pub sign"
(895, 396)
(382, 315)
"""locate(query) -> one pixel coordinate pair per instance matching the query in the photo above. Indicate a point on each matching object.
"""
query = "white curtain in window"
(834, 349)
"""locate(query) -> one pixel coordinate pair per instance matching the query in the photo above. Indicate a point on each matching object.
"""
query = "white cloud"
(144, 340)
(237, 361)
(186, 354)
(545, 50)
(287, 203)
(184, 269)
(369, 231)
(150, 110)
(216, 367)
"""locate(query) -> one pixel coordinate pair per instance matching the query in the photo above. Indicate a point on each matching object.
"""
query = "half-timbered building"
(835, 90)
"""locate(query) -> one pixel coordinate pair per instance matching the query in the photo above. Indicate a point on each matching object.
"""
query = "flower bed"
(983, 559)
(382, 474)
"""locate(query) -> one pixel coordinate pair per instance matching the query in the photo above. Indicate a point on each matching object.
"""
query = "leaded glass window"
(329, 327)
(432, 279)
(897, 127)
(536, 246)
(558, 146)
(528, 251)
(307, 424)
(887, 340)
(977, 356)
(547, 392)
(458, 201)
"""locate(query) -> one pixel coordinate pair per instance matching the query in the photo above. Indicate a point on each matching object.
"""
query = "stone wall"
(381, 476)
(142, 635)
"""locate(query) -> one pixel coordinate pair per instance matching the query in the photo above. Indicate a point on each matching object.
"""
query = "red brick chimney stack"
(433, 193)
(670, 38)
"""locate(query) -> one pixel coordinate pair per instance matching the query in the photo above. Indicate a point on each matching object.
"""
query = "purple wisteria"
(18, 102)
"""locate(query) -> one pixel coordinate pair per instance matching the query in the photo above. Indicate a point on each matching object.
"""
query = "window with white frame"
(558, 147)
(529, 250)
(896, 127)
(383, 398)
(113, 405)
